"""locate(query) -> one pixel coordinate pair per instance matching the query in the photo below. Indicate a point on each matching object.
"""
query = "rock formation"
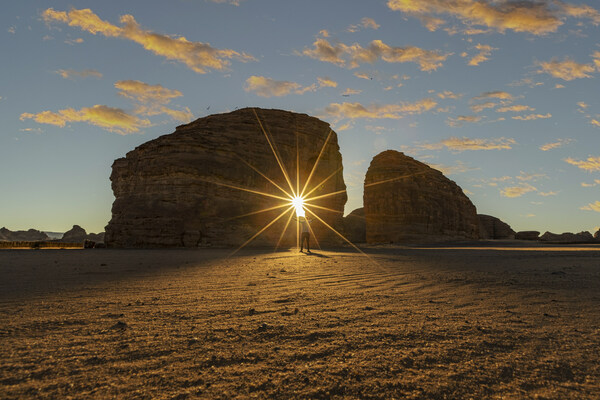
(408, 201)
(30, 235)
(355, 227)
(597, 235)
(199, 185)
(493, 228)
(567, 237)
(527, 235)
(78, 235)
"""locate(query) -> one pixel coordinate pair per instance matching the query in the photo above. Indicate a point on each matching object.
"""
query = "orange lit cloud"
(198, 56)
(458, 121)
(354, 55)
(267, 87)
(86, 73)
(532, 117)
(566, 70)
(496, 94)
(364, 23)
(459, 168)
(326, 82)
(108, 118)
(374, 111)
(592, 207)
(477, 108)
(591, 164)
(555, 145)
(595, 122)
(517, 191)
(515, 108)
(446, 94)
(464, 144)
(484, 52)
(152, 99)
(529, 16)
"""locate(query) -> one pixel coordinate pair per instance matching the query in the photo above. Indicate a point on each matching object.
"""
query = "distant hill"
(54, 235)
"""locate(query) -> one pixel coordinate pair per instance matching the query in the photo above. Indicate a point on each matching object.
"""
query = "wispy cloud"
(152, 99)
(267, 87)
(484, 54)
(375, 111)
(592, 207)
(532, 117)
(349, 92)
(199, 57)
(326, 82)
(477, 108)
(517, 191)
(458, 121)
(232, 2)
(534, 17)
(446, 94)
(108, 118)
(566, 70)
(515, 108)
(591, 164)
(554, 145)
(464, 144)
(354, 55)
(459, 168)
(364, 23)
(496, 94)
(72, 74)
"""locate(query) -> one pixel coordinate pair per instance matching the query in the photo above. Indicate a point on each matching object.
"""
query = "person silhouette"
(305, 233)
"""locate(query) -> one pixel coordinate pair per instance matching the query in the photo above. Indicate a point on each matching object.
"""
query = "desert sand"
(416, 323)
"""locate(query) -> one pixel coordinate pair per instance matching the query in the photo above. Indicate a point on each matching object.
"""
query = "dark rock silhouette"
(567, 237)
(494, 228)
(77, 234)
(527, 235)
(355, 226)
(408, 201)
(597, 235)
(29, 235)
(182, 189)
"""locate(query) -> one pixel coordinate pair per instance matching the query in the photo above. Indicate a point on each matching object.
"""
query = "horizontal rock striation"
(407, 201)
(199, 186)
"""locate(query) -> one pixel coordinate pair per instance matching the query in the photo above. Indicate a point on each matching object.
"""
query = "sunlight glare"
(298, 203)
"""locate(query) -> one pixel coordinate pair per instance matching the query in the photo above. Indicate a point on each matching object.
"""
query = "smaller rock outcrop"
(494, 228)
(355, 226)
(597, 235)
(527, 235)
(567, 237)
(77, 234)
(30, 235)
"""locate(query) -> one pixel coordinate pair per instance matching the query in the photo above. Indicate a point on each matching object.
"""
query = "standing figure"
(305, 233)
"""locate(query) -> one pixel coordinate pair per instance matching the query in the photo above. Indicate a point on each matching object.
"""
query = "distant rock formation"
(30, 235)
(527, 235)
(355, 226)
(185, 188)
(78, 235)
(493, 228)
(597, 235)
(408, 201)
(568, 237)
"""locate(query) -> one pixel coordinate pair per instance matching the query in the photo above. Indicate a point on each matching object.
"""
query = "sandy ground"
(414, 323)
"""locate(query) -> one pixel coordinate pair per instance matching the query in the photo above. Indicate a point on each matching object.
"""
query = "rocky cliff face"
(567, 237)
(199, 185)
(355, 226)
(407, 201)
(494, 228)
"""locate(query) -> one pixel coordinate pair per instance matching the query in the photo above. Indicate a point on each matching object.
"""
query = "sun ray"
(313, 235)
(342, 236)
(326, 195)
(283, 170)
(324, 208)
(246, 189)
(264, 176)
(259, 211)
(284, 230)
(315, 164)
(297, 165)
(323, 181)
(394, 179)
(262, 230)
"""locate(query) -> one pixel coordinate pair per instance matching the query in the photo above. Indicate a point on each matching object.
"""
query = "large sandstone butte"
(407, 201)
(196, 186)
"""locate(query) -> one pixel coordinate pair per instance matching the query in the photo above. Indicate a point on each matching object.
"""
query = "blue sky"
(503, 97)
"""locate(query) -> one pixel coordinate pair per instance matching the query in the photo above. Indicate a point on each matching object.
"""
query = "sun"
(298, 203)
